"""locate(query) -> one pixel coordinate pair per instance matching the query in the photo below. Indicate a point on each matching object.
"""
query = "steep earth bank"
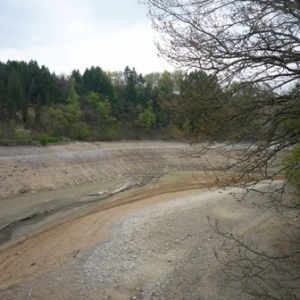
(34, 169)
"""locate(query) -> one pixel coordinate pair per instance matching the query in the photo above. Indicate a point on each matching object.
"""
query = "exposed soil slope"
(34, 169)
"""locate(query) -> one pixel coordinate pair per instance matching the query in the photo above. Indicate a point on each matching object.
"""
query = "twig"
(29, 294)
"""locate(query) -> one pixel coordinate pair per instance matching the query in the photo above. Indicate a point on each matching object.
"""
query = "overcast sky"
(75, 34)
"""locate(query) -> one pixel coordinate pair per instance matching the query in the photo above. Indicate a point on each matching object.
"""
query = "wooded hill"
(37, 105)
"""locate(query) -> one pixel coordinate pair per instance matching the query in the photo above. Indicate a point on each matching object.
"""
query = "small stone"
(23, 190)
(75, 252)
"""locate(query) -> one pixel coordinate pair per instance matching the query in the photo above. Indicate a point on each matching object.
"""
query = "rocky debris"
(162, 251)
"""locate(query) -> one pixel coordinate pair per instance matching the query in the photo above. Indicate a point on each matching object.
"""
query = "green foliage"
(21, 133)
(246, 108)
(22, 136)
(44, 140)
(147, 116)
(96, 80)
(292, 171)
(186, 127)
(196, 106)
(107, 133)
(63, 120)
(92, 105)
(73, 97)
(8, 130)
(38, 110)
(83, 131)
(171, 132)
(103, 108)
(292, 107)
(137, 136)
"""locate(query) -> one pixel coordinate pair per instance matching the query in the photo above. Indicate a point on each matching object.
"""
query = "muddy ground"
(150, 241)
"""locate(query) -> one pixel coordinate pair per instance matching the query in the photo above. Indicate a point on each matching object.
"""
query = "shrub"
(83, 131)
(44, 140)
(292, 171)
(22, 136)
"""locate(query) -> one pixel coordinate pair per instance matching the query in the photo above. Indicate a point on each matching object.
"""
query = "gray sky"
(75, 34)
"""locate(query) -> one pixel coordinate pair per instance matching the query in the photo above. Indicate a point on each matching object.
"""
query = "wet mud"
(58, 209)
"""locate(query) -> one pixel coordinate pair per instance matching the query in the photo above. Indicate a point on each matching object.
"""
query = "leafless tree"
(253, 49)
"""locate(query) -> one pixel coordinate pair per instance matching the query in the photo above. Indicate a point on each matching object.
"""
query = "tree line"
(99, 105)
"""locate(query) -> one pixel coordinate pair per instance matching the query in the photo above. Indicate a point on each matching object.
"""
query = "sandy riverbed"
(151, 242)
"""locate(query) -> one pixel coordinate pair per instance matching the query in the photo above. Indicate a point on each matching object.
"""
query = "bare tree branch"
(252, 49)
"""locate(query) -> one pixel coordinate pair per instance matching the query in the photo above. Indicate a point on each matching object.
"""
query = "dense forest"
(39, 106)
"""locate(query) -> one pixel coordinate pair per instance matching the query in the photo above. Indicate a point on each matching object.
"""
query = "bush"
(44, 140)
(83, 131)
(22, 136)
(292, 171)
(107, 133)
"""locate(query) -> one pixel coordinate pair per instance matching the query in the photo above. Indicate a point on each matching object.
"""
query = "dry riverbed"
(151, 241)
